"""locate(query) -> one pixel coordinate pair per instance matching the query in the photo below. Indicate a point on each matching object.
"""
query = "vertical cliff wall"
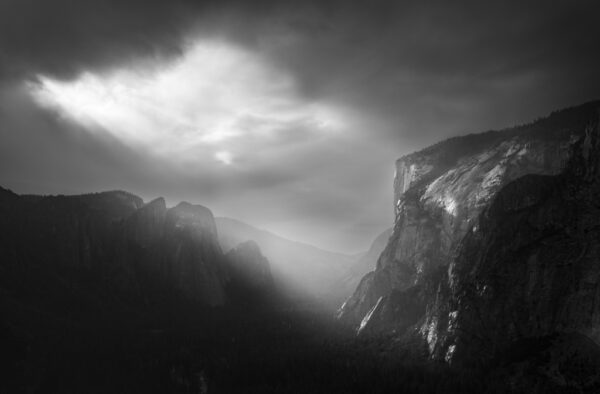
(439, 193)
(529, 267)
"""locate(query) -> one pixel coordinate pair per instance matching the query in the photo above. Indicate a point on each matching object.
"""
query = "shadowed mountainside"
(108, 254)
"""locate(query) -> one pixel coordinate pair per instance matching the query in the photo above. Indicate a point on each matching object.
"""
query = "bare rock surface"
(495, 241)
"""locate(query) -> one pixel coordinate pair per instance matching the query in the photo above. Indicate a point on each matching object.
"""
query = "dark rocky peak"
(147, 223)
(155, 208)
(192, 217)
(250, 266)
(8, 200)
(249, 247)
(7, 193)
(156, 204)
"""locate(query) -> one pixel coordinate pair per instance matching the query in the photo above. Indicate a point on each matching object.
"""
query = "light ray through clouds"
(212, 98)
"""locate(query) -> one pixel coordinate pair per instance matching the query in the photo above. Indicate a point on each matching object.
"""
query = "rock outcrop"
(460, 218)
(251, 283)
(250, 266)
(107, 254)
(175, 249)
(529, 266)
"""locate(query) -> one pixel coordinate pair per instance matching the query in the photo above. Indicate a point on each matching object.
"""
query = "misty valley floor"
(283, 351)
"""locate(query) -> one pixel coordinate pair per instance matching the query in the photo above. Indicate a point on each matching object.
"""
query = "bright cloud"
(213, 97)
(224, 157)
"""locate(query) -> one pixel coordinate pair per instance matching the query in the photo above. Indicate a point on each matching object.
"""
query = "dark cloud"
(423, 64)
(405, 74)
(63, 37)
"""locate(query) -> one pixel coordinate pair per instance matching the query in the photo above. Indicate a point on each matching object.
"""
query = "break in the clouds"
(285, 114)
(215, 101)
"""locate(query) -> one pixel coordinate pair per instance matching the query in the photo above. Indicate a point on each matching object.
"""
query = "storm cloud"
(288, 115)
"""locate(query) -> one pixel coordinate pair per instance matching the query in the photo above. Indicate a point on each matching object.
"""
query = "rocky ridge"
(107, 256)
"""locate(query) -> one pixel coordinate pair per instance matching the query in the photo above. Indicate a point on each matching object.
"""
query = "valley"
(488, 283)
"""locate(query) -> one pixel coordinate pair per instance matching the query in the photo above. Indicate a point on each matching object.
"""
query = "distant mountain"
(298, 269)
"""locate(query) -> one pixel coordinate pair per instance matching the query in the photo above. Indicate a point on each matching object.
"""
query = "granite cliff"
(455, 271)
(529, 267)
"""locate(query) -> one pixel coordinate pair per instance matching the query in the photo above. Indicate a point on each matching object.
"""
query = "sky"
(286, 115)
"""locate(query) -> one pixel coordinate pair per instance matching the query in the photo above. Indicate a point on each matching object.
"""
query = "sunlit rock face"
(105, 254)
(529, 266)
(439, 194)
